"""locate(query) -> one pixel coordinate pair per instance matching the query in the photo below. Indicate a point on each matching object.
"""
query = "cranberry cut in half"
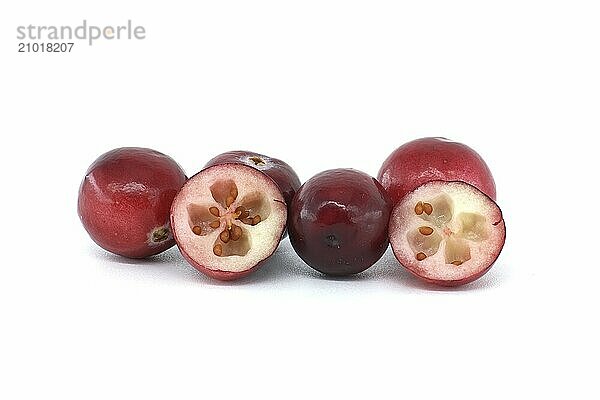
(338, 222)
(284, 176)
(447, 233)
(125, 198)
(429, 159)
(227, 219)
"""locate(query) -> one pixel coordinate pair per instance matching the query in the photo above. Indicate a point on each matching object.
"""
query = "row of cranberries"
(433, 200)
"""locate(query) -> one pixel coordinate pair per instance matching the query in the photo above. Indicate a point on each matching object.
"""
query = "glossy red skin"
(218, 274)
(125, 194)
(429, 159)
(284, 176)
(338, 222)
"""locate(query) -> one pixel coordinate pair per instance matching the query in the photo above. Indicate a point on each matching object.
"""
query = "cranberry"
(447, 233)
(227, 219)
(283, 175)
(429, 159)
(124, 201)
(338, 221)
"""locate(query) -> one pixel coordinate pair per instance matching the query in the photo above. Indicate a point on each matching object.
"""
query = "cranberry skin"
(429, 159)
(282, 173)
(224, 276)
(125, 199)
(338, 221)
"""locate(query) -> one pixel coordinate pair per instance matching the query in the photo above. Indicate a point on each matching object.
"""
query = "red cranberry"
(447, 233)
(338, 221)
(124, 201)
(429, 159)
(227, 219)
(283, 175)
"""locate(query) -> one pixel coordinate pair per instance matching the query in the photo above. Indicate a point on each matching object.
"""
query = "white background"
(320, 84)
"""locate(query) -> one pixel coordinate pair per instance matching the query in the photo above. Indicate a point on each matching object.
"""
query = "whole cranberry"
(430, 159)
(338, 221)
(125, 199)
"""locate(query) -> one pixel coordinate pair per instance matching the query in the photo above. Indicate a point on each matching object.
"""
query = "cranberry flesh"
(428, 159)
(125, 198)
(227, 219)
(447, 233)
(284, 176)
(338, 221)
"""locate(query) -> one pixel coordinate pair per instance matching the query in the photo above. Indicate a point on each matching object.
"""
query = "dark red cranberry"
(283, 175)
(125, 198)
(338, 221)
